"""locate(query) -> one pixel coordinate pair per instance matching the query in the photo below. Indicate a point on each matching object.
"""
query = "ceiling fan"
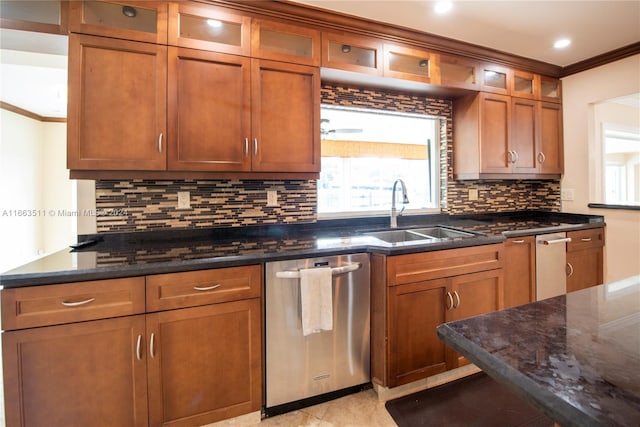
(325, 131)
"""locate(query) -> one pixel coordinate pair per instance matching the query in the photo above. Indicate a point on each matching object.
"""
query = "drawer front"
(193, 288)
(447, 263)
(585, 239)
(71, 302)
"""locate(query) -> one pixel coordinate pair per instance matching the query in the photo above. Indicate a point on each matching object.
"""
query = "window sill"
(612, 206)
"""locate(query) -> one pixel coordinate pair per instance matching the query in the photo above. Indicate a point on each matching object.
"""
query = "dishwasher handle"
(556, 241)
(295, 274)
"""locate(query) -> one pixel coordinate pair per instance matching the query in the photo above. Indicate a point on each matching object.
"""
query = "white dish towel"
(316, 298)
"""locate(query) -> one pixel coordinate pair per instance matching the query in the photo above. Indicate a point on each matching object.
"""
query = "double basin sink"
(419, 235)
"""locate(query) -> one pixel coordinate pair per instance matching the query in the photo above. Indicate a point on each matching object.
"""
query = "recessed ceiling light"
(443, 7)
(560, 43)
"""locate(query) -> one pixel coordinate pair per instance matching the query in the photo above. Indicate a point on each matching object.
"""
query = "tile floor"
(361, 409)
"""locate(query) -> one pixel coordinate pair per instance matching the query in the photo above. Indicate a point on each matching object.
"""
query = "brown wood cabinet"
(96, 358)
(75, 373)
(412, 294)
(407, 63)
(204, 363)
(585, 255)
(117, 104)
(519, 271)
(499, 136)
(144, 21)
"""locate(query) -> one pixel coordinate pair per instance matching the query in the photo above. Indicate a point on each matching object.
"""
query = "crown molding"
(603, 59)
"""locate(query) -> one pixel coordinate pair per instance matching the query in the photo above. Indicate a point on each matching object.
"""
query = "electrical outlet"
(473, 194)
(272, 198)
(566, 194)
(184, 200)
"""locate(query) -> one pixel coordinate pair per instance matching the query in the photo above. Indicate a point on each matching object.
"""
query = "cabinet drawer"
(585, 239)
(193, 288)
(71, 302)
(433, 265)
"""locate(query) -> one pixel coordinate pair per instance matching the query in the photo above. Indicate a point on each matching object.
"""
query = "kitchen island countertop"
(574, 356)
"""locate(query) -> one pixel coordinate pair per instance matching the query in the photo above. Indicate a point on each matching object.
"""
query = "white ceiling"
(520, 27)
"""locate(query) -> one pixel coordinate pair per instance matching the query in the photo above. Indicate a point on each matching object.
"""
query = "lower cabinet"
(519, 271)
(585, 255)
(87, 353)
(204, 363)
(413, 294)
(80, 374)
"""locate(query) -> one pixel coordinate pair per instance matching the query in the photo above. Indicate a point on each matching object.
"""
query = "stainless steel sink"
(419, 235)
(399, 236)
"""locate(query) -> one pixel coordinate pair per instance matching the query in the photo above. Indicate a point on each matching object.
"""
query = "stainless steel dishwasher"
(551, 265)
(320, 364)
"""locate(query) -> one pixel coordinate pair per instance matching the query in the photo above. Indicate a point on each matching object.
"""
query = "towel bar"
(295, 274)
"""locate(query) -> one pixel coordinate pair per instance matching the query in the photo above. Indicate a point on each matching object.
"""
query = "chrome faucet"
(405, 200)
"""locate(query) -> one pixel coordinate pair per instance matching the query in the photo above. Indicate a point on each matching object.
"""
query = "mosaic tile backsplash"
(147, 204)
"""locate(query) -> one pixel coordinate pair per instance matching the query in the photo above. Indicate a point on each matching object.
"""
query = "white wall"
(34, 185)
(580, 92)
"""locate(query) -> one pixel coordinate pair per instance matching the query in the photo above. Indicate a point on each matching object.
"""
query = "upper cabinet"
(411, 64)
(144, 21)
(206, 27)
(459, 72)
(285, 42)
(37, 16)
(550, 89)
(117, 104)
(504, 137)
(495, 79)
(230, 94)
(352, 53)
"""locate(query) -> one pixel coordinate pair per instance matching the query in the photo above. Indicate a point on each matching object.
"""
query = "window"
(621, 148)
(365, 151)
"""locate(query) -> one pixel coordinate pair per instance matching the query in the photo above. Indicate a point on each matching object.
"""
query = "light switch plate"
(184, 200)
(272, 198)
(566, 194)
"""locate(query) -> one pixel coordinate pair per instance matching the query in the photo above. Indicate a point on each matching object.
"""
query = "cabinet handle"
(246, 147)
(138, 348)
(516, 156)
(457, 299)
(541, 157)
(160, 143)
(517, 241)
(586, 239)
(255, 146)
(152, 346)
(569, 269)
(510, 156)
(450, 305)
(77, 303)
(208, 288)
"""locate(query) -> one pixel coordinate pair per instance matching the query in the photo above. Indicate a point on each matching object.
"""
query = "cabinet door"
(144, 21)
(519, 271)
(285, 42)
(524, 134)
(584, 269)
(285, 117)
(474, 294)
(550, 154)
(204, 363)
(406, 63)
(117, 104)
(495, 126)
(200, 26)
(209, 111)
(414, 349)
(352, 53)
(81, 374)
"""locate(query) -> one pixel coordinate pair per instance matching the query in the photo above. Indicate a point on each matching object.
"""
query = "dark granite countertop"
(155, 252)
(575, 356)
